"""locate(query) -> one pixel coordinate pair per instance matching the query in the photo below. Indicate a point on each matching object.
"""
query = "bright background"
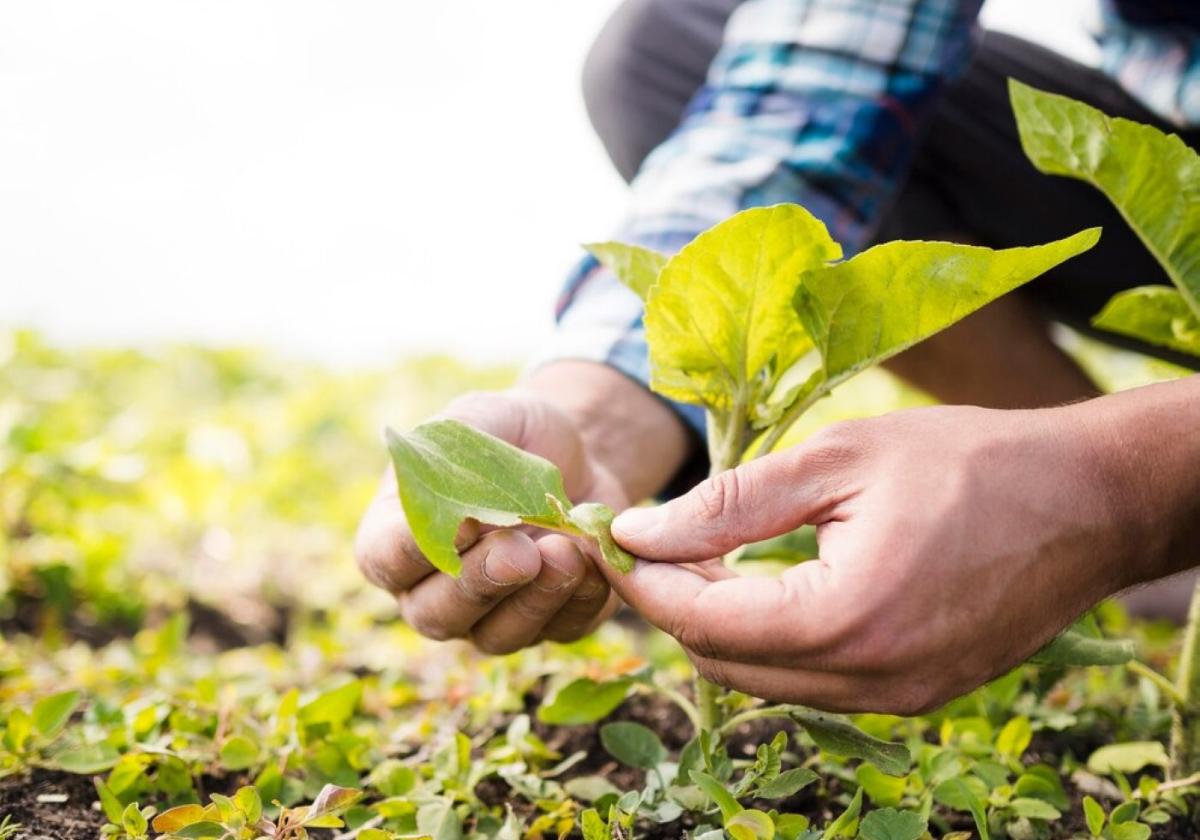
(346, 181)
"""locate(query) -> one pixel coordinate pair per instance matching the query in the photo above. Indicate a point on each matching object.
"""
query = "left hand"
(954, 543)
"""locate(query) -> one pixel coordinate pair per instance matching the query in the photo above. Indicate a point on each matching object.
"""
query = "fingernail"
(500, 571)
(636, 522)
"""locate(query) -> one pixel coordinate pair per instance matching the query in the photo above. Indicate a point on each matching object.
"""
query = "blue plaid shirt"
(818, 102)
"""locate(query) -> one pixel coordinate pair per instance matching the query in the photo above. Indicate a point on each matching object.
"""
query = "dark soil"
(74, 819)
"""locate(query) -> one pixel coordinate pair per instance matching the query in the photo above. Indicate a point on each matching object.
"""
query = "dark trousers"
(969, 181)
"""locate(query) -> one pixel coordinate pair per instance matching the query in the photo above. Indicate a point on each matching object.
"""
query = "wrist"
(1145, 448)
(624, 427)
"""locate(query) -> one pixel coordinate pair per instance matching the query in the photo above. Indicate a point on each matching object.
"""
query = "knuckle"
(471, 593)
(719, 494)
(838, 442)
(696, 637)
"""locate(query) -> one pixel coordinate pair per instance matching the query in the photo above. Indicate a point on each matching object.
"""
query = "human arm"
(954, 542)
(612, 439)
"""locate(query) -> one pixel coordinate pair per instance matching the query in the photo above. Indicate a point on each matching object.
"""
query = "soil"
(74, 819)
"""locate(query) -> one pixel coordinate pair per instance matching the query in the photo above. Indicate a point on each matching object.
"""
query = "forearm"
(1148, 451)
(625, 427)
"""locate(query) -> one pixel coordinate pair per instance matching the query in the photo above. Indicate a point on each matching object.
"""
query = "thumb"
(754, 501)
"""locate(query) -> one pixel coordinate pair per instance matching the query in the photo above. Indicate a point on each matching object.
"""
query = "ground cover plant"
(187, 650)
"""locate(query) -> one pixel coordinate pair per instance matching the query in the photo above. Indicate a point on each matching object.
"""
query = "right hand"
(518, 586)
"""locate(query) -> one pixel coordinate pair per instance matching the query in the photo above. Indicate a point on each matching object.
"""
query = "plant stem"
(727, 434)
(1185, 726)
(1164, 685)
(689, 708)
(775, 434)
(758, 713)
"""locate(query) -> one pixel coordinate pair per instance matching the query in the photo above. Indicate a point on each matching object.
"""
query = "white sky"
(347, 180)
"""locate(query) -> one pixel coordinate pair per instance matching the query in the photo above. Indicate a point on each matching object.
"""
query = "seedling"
(1153, 180)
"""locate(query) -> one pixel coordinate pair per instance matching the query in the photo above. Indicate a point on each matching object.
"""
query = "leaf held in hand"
(448, 472)
(1157, 315)
(636, 267)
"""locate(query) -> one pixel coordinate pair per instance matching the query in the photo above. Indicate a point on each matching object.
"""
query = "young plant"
(1153, 180)
(755, 320)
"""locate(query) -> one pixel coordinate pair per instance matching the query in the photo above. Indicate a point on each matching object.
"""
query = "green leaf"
(331, 799)
(1074, 648)
(134, 821)
(633, 744)
(1129, 757)
(584, 701)
(17, 730)
(719, 322)
(1093, 813)
(249, 802)
(334, 707)
(836, 735)
(786, 783)
(439, 820)
(592, 825)
(238, 753)
(448, 472)
(890, 297)
(636, 267)
(1014, 738)
(86, 759)
(1034, 809)
(50, 714)
(749, 824)
(883, 789)
(1152, 178)
(890, 824)
(109, 804)
(1125, 812)
(718, 793)
(1155, 314)
(846, 820)
(204, 830)
(965, 794)
(595, 520)
(1129, 831)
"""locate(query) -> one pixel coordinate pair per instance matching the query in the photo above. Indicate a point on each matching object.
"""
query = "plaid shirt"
(818, 102)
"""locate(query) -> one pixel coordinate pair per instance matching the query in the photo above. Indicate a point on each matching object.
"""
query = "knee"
(618, 74)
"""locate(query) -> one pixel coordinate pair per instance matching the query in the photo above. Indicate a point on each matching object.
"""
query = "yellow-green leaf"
(50, 714)
(890, 297)
(1152, 178)
(636, 267)
(584, 701)
(1157, 315)
(1128, 757)
(719, 322)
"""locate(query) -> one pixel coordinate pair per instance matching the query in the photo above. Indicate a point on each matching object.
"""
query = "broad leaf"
(1128, 757)
(890, 824)
(837, 735)
(890, 297)
(50, 714)
(636, 267)
(583, 701)
(180, 816)
(750, 825)
(238, 753)
(1152, 178)
(87, 759)
(786, 783)
(719, 322)
(1156, 315)
(448, 472)
(633, 744)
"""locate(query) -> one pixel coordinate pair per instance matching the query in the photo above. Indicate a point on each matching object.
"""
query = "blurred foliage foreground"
(187, 650)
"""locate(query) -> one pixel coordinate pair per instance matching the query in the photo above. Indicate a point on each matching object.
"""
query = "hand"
(518, 586)
(954, 542)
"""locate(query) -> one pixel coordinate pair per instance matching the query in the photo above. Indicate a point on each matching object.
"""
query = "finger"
(800, 618)
(384, 546)
(445, 607)
(519, 619)
(589, 605)
(763, 498)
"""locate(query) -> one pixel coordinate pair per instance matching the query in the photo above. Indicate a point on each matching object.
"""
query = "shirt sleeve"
(816, 102)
